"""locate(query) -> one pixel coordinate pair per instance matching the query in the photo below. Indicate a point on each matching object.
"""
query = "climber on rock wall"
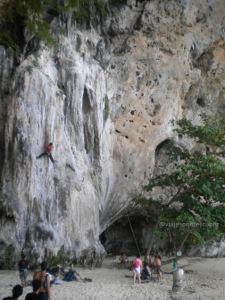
(47, 152)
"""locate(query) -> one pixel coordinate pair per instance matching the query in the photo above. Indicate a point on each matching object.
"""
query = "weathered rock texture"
(106, 100)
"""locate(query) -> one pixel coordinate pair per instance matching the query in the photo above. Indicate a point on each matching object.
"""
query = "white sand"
(204, 279)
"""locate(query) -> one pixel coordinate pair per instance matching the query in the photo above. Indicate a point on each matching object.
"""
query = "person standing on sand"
(43, 277)
(137, 267)
(158, 264)
(36, 284)
(17, 291)
(23, 269)
(123, 259)
(175, 264)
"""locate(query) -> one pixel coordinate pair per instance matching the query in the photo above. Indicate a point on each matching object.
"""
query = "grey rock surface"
(106, 100)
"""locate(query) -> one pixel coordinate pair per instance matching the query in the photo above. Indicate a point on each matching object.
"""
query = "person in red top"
(137, 267)
(48, 151)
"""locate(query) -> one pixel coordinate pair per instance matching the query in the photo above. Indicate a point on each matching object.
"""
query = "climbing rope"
(134, 237)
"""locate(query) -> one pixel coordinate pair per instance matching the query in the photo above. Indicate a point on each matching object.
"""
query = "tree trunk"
(184, 240)
(151, 241)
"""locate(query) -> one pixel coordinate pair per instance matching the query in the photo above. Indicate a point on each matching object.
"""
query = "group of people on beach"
(42, 280)
(144, 272)
(40, 283)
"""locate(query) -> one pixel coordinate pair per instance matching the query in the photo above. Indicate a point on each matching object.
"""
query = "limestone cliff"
(106, 99)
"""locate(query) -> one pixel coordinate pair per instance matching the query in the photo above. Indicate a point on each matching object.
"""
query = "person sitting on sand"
(17, 291)
(137, 267)
(54, 273)
(146, 272)
(123, 259)
(36, 284)
(71, 275)
(158, 264)
(43, 276)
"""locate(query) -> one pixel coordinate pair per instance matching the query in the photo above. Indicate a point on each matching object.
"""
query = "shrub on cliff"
(26, 22)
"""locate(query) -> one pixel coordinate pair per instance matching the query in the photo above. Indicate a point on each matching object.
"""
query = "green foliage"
(34, 17)
(20, 15)
(34, 63)
(61, 258)
(196, 211)
(211, 133)
(33, 261)
(106, 108)
(117, 2)
(85, 8)
(8, 40)
(29, 69)
(8, 257)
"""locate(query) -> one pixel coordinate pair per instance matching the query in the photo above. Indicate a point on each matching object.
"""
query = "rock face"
(211, 249)
(216, 249)
(106, 99)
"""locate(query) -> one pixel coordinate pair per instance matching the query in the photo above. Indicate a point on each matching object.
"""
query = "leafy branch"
(25, 20)
(196, 208)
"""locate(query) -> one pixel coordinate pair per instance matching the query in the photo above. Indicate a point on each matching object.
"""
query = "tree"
(195, 211)
(23, 21)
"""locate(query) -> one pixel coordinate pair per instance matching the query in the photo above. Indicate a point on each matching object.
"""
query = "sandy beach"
(204, 279)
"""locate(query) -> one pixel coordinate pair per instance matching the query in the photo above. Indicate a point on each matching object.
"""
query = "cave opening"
(126, 235)
(136, 233)
(200, 101)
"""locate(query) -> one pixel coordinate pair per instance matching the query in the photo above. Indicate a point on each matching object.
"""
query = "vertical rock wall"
(106, 100)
